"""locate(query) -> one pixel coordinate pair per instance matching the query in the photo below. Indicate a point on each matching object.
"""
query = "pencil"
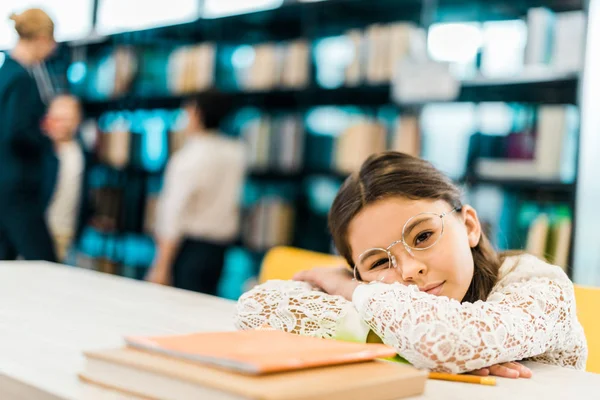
(482, 380)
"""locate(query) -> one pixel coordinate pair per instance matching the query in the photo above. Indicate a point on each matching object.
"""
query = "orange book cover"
(260, 351)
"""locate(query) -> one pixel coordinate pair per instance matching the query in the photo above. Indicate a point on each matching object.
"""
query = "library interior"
(183, 178)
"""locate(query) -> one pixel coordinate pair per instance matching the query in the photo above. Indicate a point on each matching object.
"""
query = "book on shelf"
(287, 143)
(378, 46)
(547, 228)
(295, 65)
(274, 143)
(559, 244)
(568, 41)
(407, 137)
(354, 70)
(556, 134)
(170, 374)
(256, 135)
(402, 43)
(191, 68)
(540, 25)
(377, 51)
(116, 73)
(537, 236)
(357, 143)
(263, 74)
(115, 148)
(269, 223)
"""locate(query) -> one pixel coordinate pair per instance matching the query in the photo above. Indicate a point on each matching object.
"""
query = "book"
(562, 246)
(357, 143)
(126, 68)
(263, 74)
(259, 351)
(400, 46)
(296, 64)
(377, 50)
(191, 68)
(407, 138)
(136, 374)
(537, 236)
(540, 25)
(569, 42)
(355, 69)
(557, 124)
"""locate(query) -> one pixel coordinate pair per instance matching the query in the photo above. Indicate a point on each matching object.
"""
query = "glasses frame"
(409, 249)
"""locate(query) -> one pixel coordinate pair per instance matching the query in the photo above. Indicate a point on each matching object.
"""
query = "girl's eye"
(383, 262)
(422, 238)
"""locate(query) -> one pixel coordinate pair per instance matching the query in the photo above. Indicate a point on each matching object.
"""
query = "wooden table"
(50, 314)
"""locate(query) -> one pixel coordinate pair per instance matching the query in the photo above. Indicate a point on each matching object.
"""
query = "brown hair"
(391, 174)
(33, 23)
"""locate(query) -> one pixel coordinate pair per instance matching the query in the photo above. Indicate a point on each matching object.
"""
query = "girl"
(437, 291)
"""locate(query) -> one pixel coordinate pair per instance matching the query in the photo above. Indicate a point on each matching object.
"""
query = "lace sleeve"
(297, 307)
(523, 320)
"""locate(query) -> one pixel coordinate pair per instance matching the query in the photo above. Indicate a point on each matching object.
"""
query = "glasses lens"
(423, 231)
(372, 265)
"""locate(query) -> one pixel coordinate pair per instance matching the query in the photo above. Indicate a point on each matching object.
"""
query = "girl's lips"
(434, 288)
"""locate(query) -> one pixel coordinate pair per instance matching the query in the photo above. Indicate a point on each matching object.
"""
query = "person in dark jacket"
(26, 154)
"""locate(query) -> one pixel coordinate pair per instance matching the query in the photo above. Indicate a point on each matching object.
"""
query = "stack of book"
(191, 68)
(274, 143)
(368, 137)
(378, 50)
(549, 231)
(259, 364)
(269, 66)
(269, 223)
(357, 143)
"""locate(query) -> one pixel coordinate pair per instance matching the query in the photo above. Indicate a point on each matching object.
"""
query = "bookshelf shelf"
(561, 90)
(295, 176)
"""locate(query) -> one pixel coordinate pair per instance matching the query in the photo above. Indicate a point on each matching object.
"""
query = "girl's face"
(446, 269)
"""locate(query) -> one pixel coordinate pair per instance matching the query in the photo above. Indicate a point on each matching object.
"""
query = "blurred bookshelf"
(558, 89)
(271, 62)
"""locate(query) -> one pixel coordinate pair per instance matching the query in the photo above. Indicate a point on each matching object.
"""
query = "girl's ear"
(472, 225)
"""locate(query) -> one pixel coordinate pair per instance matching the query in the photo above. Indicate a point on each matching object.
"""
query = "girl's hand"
(334, 281)
(507, 370)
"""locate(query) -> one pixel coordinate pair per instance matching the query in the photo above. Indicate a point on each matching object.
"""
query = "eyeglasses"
(421, 232)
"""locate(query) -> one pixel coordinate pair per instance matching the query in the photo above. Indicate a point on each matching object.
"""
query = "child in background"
(198, 214)
(437, 291)
(62, 123)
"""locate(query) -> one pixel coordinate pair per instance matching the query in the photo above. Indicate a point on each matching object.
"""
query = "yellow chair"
(588, 303)
(284, 262)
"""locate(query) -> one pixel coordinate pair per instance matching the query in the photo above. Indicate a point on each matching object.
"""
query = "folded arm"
(523, 320)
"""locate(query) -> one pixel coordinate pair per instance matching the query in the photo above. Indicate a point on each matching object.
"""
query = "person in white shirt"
(425, 280)
(62, 123)
(199, 207)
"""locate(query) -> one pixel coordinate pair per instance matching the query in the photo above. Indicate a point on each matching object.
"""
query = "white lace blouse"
(530, 314)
